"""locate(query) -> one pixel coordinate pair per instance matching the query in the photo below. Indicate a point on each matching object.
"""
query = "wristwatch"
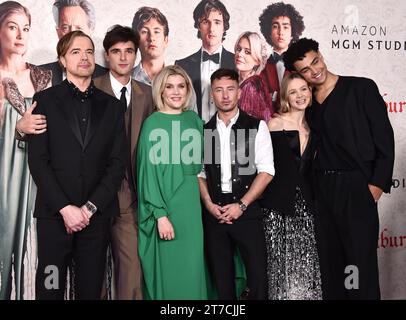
(242, 205)
(91, 207)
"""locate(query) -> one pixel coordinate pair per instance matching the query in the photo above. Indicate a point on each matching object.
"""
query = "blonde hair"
(284, 101)
(258, 49)
(158, 85)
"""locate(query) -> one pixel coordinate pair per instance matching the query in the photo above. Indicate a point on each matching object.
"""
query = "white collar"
(232, 120)
(117, 86)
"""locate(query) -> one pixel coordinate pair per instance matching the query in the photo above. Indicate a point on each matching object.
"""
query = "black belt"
(227, 198)
(333, 171)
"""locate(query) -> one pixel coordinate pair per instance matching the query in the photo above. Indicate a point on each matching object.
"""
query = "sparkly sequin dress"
(292, 258)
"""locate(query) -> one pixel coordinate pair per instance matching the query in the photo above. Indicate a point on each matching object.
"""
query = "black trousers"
(85, 250)
(347, 228)
(221, 241)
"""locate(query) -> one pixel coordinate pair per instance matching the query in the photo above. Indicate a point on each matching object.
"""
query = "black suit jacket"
(191, 65)
(68, 170)
(358, 125)
(57, 72)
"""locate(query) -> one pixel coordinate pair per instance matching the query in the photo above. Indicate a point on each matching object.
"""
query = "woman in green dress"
(169, 216)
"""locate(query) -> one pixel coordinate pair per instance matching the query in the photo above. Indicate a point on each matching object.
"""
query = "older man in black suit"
(212, 21)
(78, 164)
(71, 15)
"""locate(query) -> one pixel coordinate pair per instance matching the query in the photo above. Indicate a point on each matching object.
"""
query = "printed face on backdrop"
(14, 34)
(79, 59)
(225, 93)
(312, 68)
(244, 61)
(281, 34)
(174, 94)
(72, 19)
(153, 41)
(211, 30)
(121, 58)
(299, 94)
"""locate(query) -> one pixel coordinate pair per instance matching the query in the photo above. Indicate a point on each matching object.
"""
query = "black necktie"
(277, 57)
(123, 98)
(213, 57)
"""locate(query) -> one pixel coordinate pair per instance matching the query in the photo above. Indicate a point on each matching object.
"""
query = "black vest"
(242, 144)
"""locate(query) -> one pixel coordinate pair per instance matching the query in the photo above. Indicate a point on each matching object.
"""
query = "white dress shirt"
(263, 152)
(206, 70)
(140, 75)
(117, 86)
(280, 68)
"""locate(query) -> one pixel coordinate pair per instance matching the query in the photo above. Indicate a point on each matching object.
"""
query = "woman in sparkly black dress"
(293, 264)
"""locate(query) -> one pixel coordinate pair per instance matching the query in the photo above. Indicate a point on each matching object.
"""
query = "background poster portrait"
(358, 38)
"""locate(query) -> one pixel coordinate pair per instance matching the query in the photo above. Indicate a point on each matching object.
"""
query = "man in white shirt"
(152, 26)
(121, 44)
(153, 29)
(238, 167)
(212, 21)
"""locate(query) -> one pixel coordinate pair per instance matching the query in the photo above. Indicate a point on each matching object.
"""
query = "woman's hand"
(165, 229)
(32, 123)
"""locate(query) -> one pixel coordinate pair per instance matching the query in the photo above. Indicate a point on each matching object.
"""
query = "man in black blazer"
(71, 15)
(354, 165)
(78, 164)
(212, 21)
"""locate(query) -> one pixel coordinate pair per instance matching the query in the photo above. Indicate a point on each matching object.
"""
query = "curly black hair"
(280, 9)
(297, 51)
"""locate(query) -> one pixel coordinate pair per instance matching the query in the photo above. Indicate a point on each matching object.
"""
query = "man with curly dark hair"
(280, 24)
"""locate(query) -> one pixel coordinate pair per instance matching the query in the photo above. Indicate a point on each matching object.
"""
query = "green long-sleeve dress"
(168, 161)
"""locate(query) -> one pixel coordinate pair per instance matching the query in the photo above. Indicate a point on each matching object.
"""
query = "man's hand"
(375, 191)
(214, 209)
(73, 218)
(232, 212)
(32, 123)
(165, 229)
(68, 230)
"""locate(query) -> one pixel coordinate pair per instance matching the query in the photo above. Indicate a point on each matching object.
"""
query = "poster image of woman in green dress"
(19, 81)
(169, 216)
